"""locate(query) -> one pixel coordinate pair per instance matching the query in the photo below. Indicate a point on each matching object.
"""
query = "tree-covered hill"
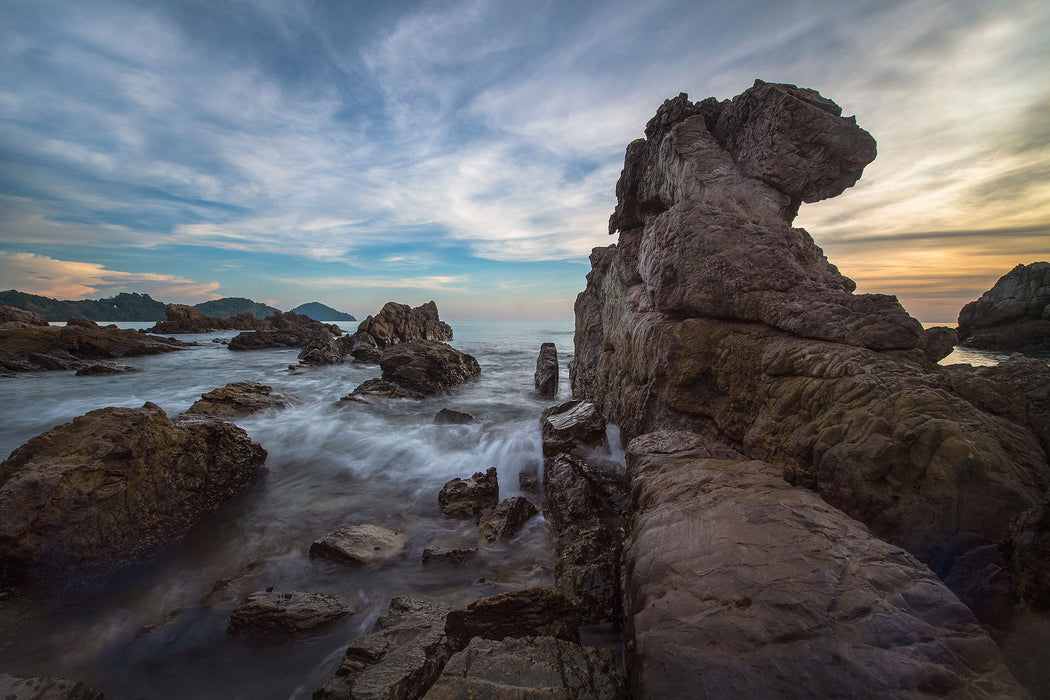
(231, 306)
(122, 307)
(320, 312)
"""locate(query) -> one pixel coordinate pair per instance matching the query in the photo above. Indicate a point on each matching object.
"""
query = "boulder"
(182, 318)
(532, 612)
(372, 390)
(322, 349)
(114, 486)
(573, 426)
(447, 416)
(452, 556)
(11, 317)
(1030, 555)
(459, 497)
(530, 667)
(31, 347)
(738, 584)
(400, 658)
(361, 544)
(428, 367)
(1012, 315)
(505, 520)
(546, 377)
(104, 368)
(398, 323)
(19, 688)
(236, 400)
(274, 613)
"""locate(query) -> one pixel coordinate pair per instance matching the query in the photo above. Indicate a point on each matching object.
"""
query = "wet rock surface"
(286, 613)
(449, 556)
(447, 416)
(398, 323)
(372, 390)
(526, 613)
(573, 426)
(19, 688)
(1012, 315)
(104, 368)
(283, 330)
(114, 486)
(505, 520)
(546, 378)
(738, 584)
(237, 399)
(362, 544)
(463, 497)
(427, 367)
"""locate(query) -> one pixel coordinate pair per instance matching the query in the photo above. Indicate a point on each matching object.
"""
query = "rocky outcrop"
(372, 390)
(113, 486)
(398, 323)
(181, 318)
(10, 317)
(18, 688)
(505, 520)
(546, 377)
(1012, 315)
(712, 313)
(284, 330)
(427, 366)
(32, 347)
(738, 584)
(236, 400)
(290, 613)
(460, 497)
(372, 545)
(448, 416)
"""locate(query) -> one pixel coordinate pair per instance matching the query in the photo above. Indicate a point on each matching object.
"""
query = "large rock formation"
(399, 323)
(113, 486)
(546, 377)
(1012, 315)
(29, 345)
(427, 366)
(283, 330)
(181, 318)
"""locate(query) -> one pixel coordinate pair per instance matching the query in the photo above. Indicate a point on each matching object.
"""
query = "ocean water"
(160, 630)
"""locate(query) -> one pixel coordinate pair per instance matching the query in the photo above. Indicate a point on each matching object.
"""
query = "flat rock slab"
(528, 668)
(16, 688)
(273, 613)
(531, 612)
(364, 544)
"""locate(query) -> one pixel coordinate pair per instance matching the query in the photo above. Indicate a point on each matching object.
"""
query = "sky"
(357, 152)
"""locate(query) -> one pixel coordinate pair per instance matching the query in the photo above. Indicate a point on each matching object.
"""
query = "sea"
(159, 631)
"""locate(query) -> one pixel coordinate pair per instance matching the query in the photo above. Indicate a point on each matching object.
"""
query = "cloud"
(446, 283)
(67, 279)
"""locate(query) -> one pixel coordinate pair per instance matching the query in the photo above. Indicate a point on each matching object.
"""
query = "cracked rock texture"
(399, 323)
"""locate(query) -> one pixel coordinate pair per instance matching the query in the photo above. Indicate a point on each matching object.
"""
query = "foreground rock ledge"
(113, 486)
(739, 585)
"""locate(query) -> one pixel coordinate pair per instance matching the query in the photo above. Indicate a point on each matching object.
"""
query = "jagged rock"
(322, 349)
(11, 317)
(400, 658)
(534, 612)
(372, 390)
(283, 330)
(470, 496)
(444, 555)
(113, 486)
(398, 323)
(18, 688)
(365, 355)
(529, 478)
(105, 368)
(530, 667)
(737, 584)
(546, 377)
(505, 520)
(447, 416)
(362, 544)
(1030, 554)
(31, 347)
(1012, 315)
(573, 425)
(427, 366)
(274, 613)
(237, 399)
(181, 318)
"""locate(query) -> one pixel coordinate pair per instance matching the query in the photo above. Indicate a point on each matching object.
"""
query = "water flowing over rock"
(286, 613)
(1012, 315)
(113, 486)
(398, 323)
(546, 377)
(427, 366)
(18, 688)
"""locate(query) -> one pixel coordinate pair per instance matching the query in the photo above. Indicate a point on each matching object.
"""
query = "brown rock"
(33, 348)
(12, 317)
(237, 399)
(398, 323)
(272, 613)
(372, 390)
(573, 425)
(444, 555)
(534, 612)
(737, 584)
(504, 521)
(470, 496)
(447, 416)
(1012, 315)
(362, 544)
(284, 330)
(18, 688)
(105, 368)
(114, 486)
(428, 367)
(546, 377)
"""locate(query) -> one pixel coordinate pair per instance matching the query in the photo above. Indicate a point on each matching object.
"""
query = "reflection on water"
(160, 630)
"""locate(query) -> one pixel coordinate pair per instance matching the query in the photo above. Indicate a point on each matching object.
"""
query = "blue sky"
(467, 152)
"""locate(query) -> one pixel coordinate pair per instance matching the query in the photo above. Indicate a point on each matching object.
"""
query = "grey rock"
(363, 544)
(12, 317)
(447, 416)
(1012, 315)
(546, 377)
(1030, 554)
(571, 426)
(286, 613)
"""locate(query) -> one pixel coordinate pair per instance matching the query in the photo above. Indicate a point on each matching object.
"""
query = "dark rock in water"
(398, 323)
(272, 613)
(322, 349)
(363, 544)
(18, 688)
(237, 399)
(534, 612)
(571, 426)
(284, 330)
(444, 555)
(34, 347)
(372, 390)
(470, 496)
(105, 368)
(737, 584)
(505, 520)
(400, 658)
(529, 667)
(181, 318)
(428, 367)
(1030, 552)
(1012, 315)
(529, 478)
(447, 416)
(11, 317)
(546, 377)
(114, 486)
